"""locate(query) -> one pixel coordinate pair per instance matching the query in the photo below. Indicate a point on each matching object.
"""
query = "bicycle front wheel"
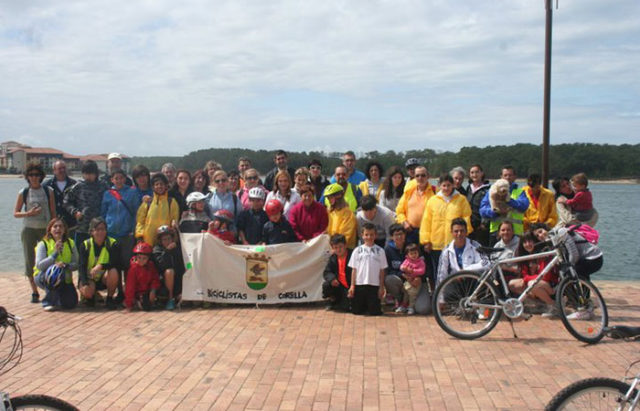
(40, 402)
(590, 394)
(458, 313)
(582, 309)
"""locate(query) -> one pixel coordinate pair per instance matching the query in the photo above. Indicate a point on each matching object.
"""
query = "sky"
(168, 78)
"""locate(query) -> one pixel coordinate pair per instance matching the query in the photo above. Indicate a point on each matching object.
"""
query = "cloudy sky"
(158, 77)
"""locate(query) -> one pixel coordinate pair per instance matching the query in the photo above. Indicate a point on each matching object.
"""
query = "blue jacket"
(395, 258)
(520, 204)
(356, 178)
(120, 215)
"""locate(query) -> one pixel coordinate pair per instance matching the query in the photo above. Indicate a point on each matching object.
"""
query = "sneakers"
(401, 309)
(411, 311)
(171, 304)
(552, 312)
(583, 315)
(111, 304)
(35, 298)
(50, 308)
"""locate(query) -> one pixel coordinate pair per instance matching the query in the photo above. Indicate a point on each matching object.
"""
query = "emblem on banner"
(257, 271)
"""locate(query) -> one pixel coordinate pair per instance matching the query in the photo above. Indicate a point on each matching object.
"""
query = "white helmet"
(257, 192)
(195, 197)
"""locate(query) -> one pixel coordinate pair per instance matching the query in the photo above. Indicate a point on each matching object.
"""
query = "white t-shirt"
(368, 261)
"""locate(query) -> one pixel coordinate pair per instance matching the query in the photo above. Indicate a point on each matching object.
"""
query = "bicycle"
(602, 393)
(468, 304)
(9, 322)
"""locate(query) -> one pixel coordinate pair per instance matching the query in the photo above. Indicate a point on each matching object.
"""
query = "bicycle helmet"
(162, 230)
(412, 162)
(224, 215)
(332, 189)
(273, 207)
(195, 197)
(53, 276)
(142, 248)
(257, 192)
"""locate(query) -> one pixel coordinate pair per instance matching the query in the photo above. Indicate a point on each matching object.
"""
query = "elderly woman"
(308, 218)
(251, 180)
(282, 192)
(476, 191)
(222, 198)
(373, 184)
(458, 174)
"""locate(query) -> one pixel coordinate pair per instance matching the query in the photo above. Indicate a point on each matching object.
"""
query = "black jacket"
(331, 270)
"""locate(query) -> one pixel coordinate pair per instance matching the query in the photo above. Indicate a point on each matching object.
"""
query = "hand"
(334, 283)
(381, 292)
(415, 281)
(562, 200)
(351, 291)
(427, 247)
(34, 211)
(59, 246)
(171, 246)
(60, 264)
(146, 199)
(407, 226)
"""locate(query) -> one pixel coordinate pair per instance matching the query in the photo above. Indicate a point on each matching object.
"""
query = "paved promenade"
(300, 358)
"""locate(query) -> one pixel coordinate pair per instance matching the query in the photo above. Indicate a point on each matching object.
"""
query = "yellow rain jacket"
(402, 210)
(435, 227)
(544, 212)
(343, 221)
(161, 211)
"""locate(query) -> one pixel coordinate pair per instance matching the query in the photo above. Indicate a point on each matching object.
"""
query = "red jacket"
(527, 275)
(140, 279)
(223, 235)
(310, 222)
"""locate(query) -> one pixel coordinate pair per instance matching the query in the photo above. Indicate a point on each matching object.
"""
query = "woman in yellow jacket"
(341, 219)
(542, 204)
(435, 227)
(161, 210)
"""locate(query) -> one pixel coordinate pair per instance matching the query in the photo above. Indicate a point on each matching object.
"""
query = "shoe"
(119, 298)
(50, 308)
(171, 304)
(90, 302)
(35, 298)
(552, 312)
(389, 300)
(111, 304)
(401, 309)
(584, 315)
(411, 311)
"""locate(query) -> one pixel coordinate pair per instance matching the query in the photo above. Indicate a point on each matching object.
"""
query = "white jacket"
(471, 260)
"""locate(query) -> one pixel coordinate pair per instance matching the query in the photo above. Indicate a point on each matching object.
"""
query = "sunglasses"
(222, 180)
(420, 175)
(251, 178)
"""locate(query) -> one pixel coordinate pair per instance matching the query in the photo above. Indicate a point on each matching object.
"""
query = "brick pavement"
(300, 358)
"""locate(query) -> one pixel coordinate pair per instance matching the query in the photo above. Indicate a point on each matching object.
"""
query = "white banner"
(244, 274)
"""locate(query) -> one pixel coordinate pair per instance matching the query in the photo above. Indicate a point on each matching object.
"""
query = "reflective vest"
(514, 216)
(104, 256)
(65, 256)
(349, 197)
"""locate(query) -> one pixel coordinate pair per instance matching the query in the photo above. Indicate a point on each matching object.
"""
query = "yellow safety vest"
(65, 256)
(104, 256)
(514, 216)
(349, 197)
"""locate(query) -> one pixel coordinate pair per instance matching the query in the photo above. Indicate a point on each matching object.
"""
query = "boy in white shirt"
(368, 263)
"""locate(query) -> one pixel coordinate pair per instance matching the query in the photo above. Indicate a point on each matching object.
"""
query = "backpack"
(25, 193)
(587, 232)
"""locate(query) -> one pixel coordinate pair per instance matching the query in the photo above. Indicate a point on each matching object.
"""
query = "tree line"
(600, 161)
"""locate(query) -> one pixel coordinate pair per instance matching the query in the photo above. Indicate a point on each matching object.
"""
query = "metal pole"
(547, 95)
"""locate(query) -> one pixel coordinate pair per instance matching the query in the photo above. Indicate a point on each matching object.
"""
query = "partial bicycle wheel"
(582, 309)
(590, 394)
(460, 315)
(40, 402)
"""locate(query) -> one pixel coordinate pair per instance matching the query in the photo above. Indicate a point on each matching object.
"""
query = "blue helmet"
(54, 276)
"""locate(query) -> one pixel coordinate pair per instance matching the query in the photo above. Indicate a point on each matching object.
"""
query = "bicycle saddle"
(622, 331)
(489, 250)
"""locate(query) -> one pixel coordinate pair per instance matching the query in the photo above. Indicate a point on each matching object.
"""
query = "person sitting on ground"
(167, 256)
(308, 218)
(582, 202)
(381, 217)
(368, 263)
(411, 206)
(373, 184)
(251, 221)
(412, 268)
(195, 219)
(394, 251)
(143, 281)
(36, 206)
(509, 242)
(337, 275)
(542, 207)
(460, 254)
(56, 258)
(341, 218)
(161, 210)
(277, 230)
(221, 225)
(392, 188)
(316, 178)
(282, 192)
(99, 267)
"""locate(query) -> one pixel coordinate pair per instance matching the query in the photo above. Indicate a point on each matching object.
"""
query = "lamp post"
(547, 95)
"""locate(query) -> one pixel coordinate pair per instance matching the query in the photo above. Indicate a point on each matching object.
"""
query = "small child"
(195, 219)
(167, 255)
(277, 230)
(368, 263)
(160, 210)
(582, 202)
(337, 275)
(219, 227)
(142, 279)
(251, 221)
(413, 267)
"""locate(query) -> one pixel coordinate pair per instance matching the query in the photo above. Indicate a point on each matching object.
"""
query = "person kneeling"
(337, 275)
(167, 255)
(142, 279)
(413, 268)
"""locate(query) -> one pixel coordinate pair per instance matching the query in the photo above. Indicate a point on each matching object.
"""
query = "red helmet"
(224, 215)
(273, 207)
(142, 248)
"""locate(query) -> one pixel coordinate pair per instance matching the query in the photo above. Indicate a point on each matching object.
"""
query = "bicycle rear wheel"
(582, 309)
(590, 394)
(40, 402)
(457, 314)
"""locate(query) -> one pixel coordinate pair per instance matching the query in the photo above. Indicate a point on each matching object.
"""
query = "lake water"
(617, 204)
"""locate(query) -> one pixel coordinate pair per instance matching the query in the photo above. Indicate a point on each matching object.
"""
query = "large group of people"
(393, 235)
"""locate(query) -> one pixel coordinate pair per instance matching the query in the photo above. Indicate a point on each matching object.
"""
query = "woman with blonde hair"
(282, 191)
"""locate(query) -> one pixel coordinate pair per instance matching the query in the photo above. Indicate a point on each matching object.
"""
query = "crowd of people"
(393, 235)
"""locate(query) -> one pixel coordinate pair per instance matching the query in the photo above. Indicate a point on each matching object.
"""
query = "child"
(413, 267)
(337, 275)
(142, 279)
(195, 219)
(582, 202)
(161, 210)
(368, 263)
(277, 230)
(251, 221)
(167, 255)
(219, 227)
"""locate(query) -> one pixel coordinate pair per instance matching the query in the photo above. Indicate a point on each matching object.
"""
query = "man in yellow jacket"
(341, 219)
(161, 210)
(542, 204)
(412, 203)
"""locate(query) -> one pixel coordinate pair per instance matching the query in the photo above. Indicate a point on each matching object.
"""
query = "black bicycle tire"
(43, 401)
(559, 401)
(567, 324)
(443, 324)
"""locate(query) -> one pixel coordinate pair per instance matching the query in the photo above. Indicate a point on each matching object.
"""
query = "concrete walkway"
(299, 358)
